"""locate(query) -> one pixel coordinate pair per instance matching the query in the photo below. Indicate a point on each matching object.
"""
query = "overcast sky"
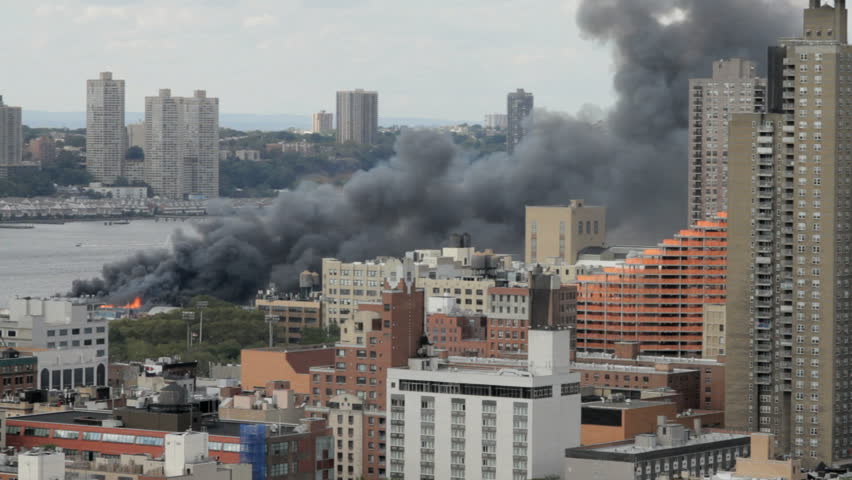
(441, 59)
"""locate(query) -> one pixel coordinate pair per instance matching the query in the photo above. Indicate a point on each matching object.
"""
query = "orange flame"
(134, 305)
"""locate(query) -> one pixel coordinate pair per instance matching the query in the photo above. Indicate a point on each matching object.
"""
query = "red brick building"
(511, 312)
(461, 334)
(710, 394)
(392, 333)
(17, 371)
(94, 434)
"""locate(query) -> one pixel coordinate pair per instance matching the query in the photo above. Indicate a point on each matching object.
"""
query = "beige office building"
(182, 145)
(11, 138)
(345, 285)
(322, 122)
(713, 334)
(789, 240)
(105, 131)
(357, 116)
(556, 233)
(470, 293)
(733, 88)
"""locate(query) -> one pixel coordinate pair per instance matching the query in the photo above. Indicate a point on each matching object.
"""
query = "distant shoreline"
(62, 221)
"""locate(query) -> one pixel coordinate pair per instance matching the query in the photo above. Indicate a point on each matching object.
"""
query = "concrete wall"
(582, 469)
(260, 366)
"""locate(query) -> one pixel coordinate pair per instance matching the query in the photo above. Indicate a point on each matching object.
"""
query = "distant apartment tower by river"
(519, 106)
(733, 87)
(11, 137)
(322, 122)
(105, 131)
(357, 116)
(182, 145)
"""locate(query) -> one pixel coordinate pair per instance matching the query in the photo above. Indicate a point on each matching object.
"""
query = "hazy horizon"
(433, 61)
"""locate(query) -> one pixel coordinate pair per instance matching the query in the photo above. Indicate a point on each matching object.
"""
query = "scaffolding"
(253, 449)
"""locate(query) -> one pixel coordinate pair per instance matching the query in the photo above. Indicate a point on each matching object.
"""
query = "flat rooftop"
(611, 367)
(67, 417)
(649, 359)
(224, 428)
(625, 405)
(293, 348)
(627, 451)
(701, 440)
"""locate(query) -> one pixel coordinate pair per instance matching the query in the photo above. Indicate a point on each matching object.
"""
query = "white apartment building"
(106, 142)
(451, 421)
(120, 193)
(11, 137)
(72, 347)
(41, 465)
(182, 145)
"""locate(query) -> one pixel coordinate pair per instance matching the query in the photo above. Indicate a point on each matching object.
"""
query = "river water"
(45, 260)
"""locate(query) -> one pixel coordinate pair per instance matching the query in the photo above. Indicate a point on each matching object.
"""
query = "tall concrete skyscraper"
(105, 131)
(199, 118)
(734, 87)
(323, 122)
(519, 106)
(357, 116)
(790, 234)
(182, 145)
(11, 138)
(163, 159)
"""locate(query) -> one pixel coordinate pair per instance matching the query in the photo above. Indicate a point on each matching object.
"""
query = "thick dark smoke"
(634, 162)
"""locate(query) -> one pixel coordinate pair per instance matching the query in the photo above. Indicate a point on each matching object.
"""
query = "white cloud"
(94, 13)
(50, 9)
(260, 21)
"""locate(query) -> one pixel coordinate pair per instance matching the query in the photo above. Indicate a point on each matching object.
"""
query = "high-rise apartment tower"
(181, 145)
(733, 88)
(357, 116)
(11, 137)
(322, 122)
(105, 132)
(519, 107)
(790, 234)
(200, 124)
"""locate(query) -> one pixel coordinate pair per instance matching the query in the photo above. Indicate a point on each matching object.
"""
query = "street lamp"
(270, 319)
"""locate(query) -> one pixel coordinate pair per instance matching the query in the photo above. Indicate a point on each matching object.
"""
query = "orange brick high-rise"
(656, 299)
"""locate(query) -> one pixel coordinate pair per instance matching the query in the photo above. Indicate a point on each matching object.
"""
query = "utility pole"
(270, 319)
(202, 305)
(188, 317)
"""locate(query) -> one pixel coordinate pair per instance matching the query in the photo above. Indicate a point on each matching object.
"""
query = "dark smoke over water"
(634, 162)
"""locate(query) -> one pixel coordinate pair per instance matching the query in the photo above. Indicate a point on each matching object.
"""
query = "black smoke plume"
(634, 161)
